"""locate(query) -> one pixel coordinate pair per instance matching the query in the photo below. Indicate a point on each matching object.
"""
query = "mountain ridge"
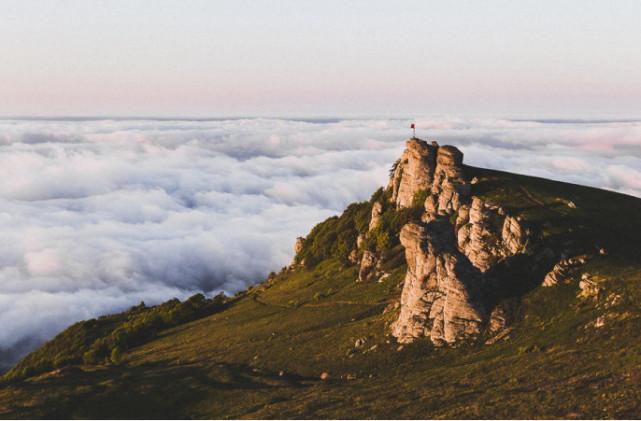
(327, 336)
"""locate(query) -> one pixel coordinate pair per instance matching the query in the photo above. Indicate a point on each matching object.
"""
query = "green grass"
(554, 364)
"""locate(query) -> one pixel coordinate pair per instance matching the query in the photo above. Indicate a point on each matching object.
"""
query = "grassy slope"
(306, 322)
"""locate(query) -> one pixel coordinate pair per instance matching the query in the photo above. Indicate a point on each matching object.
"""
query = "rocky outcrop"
(450, 188)
(367, 269)
(562, 270)
(589, 287)
(448, 255)
(515, 237)
(502, 316)
(377, 211)
(298, 247)
(413, 172)
(482, 242)
(441, 295)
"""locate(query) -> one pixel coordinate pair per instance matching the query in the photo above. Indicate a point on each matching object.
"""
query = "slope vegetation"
(567, 354)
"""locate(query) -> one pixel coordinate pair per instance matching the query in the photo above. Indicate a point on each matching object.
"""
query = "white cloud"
(98, 215)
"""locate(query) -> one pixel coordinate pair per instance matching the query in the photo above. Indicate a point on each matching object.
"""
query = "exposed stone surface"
(514, 236)
(480, 240)
(450, 188)
(440, 298)
(368, 270)
(477, 240)
(589, 287)
(377, 211)
(447, 258)
(360, 241)
(562, 270)
(413, 172)
(298, 247)
(502, 316)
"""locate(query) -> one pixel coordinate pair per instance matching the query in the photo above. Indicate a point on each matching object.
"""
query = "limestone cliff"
(459, 239)
(413, 172)
(441, 298)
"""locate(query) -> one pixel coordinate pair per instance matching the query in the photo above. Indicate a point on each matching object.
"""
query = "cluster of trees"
(145, 324)
(107, 339)
(336, 236)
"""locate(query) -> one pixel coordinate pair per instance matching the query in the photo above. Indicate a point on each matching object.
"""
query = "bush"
(336, 236)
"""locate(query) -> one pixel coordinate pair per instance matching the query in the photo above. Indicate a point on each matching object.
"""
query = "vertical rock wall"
(442, 296)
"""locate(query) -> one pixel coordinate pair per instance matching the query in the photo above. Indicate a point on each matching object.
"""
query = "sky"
(569, 58)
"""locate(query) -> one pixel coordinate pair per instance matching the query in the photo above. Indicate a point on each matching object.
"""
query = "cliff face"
(447, 257)
(441, 297)
(413, 172)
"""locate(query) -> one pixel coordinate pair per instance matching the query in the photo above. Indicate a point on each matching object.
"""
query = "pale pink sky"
(188, 57)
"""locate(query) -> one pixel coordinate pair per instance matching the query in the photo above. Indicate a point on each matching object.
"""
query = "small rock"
(571, 205)
(324, 376)
(383, 278)
(400, 348)
(589, 288)
(281, 373)
(603, 251)
(367, 269)
(474, 180)
(599, 322)
(359, 342)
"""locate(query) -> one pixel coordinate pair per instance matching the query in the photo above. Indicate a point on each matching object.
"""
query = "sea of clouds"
(97, 215)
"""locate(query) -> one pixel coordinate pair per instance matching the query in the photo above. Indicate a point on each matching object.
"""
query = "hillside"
(312, 341)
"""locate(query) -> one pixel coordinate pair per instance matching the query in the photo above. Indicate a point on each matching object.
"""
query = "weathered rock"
(368, 270)
(514, 236)
(298, 247)
(588, 287)
(441, 294)
(562, 270)
(450, 185)
(480, 240)
(477, 240)
(360, 241)
(502, 316)
(377, 211)
(353, 257)
(413, 172)
(450, 188)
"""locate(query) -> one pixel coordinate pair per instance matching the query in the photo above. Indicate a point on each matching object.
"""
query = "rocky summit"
(453, 292)
(448, 253)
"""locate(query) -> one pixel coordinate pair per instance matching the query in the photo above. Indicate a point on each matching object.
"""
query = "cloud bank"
(97, 215)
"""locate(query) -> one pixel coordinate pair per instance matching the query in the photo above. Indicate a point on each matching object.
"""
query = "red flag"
(413, 126)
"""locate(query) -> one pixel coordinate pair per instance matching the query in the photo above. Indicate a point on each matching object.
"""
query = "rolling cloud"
(97, 215)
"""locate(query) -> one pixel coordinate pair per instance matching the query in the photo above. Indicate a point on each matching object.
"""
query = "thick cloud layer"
(98, 215)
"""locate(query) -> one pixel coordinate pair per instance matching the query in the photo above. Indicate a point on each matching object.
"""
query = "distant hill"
(454, 292)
